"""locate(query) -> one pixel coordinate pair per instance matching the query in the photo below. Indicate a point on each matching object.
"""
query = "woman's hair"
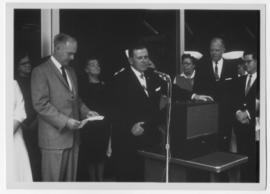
(18, 55)
(90, 59)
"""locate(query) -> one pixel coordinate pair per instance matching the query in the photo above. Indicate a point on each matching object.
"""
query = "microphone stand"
(168, 80)
(168, 122)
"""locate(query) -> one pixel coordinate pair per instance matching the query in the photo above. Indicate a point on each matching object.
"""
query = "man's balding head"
(65, 48)
(217, 48)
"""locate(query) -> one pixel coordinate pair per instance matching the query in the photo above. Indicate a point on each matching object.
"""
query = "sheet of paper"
(94, 118)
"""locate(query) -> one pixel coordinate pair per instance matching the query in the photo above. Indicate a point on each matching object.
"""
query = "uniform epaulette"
(116, 73)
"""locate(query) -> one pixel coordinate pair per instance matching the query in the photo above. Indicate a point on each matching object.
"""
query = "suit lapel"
(212, 74)
(243, 85)
(136, 82)
(253, 87)
(58, 74)
(223, 70)
(150, 85)
(72, 80)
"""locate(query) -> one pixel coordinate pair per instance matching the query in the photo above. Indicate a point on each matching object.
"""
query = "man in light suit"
(135, 115)
(55, 98)
(215, 77)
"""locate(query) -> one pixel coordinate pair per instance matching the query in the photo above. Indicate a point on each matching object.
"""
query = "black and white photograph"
(135, 96)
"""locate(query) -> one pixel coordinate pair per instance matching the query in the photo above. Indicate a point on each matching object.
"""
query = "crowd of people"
(51, 102)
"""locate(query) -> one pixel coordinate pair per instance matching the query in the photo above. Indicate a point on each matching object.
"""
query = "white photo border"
(78, 185)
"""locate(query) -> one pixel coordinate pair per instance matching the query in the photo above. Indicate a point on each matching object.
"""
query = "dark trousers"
(129, 167)
(246, 145)
(31, 141)
(225, 127)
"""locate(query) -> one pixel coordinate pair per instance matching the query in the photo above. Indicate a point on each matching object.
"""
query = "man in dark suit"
(247, 95)
(55, 98)
(136, 106)
(215, 78)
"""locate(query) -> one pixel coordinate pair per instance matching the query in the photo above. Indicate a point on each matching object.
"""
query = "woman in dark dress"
(95, 135)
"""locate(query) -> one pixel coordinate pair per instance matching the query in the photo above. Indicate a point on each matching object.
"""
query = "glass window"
(107, 33)
(27, 32)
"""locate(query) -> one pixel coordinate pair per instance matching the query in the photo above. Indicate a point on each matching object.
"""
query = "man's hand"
(242, 117)
(137, 129)
(203, 97)
(73, 124)
(92, 114)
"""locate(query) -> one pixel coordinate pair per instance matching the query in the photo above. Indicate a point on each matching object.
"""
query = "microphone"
(152, 69)
(162, 75)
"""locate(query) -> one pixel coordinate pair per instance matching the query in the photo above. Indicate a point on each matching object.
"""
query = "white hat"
(233, 55)
(197, 55)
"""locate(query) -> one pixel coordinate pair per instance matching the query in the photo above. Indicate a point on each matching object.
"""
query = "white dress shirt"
(141, 79)
(253, 78)
(188, 77)
(185, 76)
(219, 66)
(239, 75)
(58, 66)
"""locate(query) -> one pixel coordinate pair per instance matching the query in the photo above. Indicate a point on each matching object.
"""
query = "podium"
(193, 143)
(194, 128)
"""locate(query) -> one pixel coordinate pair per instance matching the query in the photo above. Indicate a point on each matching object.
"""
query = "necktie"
(191, 81)
(248, 84)
(142, 75)
(64, 74)
(216, 71)
(144, 83)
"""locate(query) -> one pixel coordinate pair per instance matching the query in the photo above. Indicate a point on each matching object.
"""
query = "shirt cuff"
(237, 112)
(193, 96)
(248, 114)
